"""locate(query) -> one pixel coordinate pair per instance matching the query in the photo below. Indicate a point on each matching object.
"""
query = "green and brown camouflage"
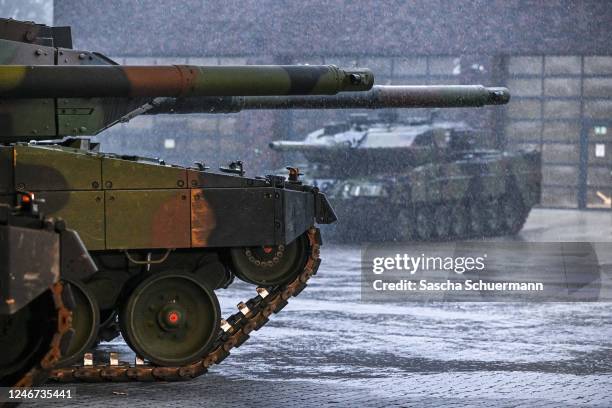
(164, 237)
(56, 91)
(416, 179)
(65, 92)
(89, 81)
(84, 100)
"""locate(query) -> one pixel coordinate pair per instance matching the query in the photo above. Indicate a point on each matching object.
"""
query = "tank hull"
(117, 203)
(189, 230)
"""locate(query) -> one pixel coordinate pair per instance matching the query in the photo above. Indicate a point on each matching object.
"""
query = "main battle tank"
(417, 178)
(163, 237)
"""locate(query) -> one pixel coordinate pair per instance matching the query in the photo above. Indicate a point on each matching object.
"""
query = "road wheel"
(171, 319)
(271, 265)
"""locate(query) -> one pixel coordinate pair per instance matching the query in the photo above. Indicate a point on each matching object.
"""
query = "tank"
(417, 179)
(39, 256)
(163, 238)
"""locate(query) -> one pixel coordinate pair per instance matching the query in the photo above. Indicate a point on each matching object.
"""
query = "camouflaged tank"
(418, 179)
(164, 238)
(38, 255)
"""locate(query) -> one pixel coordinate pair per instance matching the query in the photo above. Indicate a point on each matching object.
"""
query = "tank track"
(253, 314)
(38, 375)
(406, 229)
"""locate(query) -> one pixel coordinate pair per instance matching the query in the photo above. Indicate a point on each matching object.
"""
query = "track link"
(235, 330)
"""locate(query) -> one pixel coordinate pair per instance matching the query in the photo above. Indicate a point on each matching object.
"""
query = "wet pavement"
(328, 348)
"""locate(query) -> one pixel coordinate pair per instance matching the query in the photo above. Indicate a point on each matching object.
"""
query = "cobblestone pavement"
(328, 348)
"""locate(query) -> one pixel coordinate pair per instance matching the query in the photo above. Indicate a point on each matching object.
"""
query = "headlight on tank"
(364, 190)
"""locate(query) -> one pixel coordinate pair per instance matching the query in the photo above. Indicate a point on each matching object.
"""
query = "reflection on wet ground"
(327, 347)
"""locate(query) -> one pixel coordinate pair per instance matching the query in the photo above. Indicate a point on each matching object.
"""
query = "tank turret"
(48, 90)
(90, 98)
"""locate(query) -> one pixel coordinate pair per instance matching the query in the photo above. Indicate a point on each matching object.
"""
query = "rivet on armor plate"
(88, 360)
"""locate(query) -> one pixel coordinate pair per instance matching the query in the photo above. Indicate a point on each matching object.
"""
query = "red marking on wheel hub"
(174, 317)
(268, 250)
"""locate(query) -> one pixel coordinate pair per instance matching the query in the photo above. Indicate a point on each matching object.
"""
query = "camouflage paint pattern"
(87, 81)
(66, 92)
(49, 90)
(139, 204)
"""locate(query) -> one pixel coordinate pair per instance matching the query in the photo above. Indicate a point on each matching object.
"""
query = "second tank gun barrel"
(50, 81)
(379, 97)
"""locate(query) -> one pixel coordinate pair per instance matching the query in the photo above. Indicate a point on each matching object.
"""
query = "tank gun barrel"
(379, 97)
(49, 81)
